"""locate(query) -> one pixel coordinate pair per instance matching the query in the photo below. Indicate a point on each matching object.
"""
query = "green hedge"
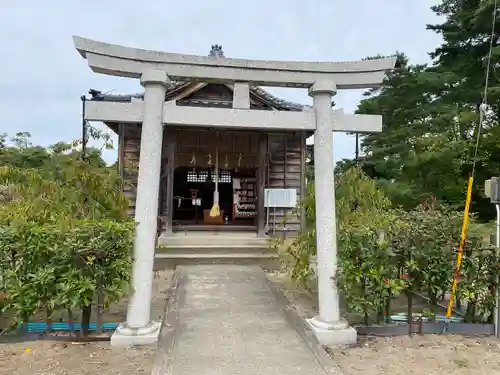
(384, 254)
(51, 267)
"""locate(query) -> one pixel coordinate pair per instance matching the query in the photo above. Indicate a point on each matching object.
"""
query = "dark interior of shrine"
(194, 196)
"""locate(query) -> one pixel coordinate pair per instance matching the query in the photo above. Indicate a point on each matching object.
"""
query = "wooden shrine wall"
(232, 146)
(286, 169)
(128, 161)
(285, 166)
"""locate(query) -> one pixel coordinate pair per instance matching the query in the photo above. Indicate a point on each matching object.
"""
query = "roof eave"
(260, 93)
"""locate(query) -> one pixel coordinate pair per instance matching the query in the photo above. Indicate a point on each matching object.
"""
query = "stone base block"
(127, 336)
(332, 334)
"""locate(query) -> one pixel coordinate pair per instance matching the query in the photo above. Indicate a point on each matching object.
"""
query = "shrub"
(383, 252)
(51, 267)
(65, 237)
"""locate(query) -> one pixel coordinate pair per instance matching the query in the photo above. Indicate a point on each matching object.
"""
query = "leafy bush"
(53, 267)
(357, 201)
(77, 191)
(383, 252)
(65, 237)
(478, 278)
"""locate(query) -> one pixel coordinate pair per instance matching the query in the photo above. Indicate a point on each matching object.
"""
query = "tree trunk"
(433, 300)
(380, 314)
(86, 313)
(409, 310)
(48, 320)
(469, 314)
(458, 302)
(71, 322)
(388, 309)
(365, 309)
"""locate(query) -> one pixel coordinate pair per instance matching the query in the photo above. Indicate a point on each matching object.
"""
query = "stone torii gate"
(156, 70)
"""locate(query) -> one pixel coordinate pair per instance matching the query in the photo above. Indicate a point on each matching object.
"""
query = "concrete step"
(212, 240)
(215, 228)
(213, 249)
(206, 233)
(210, 247)
(219, 255)
(172, 259)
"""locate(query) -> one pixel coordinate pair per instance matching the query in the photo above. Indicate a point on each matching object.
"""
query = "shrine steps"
(212, 238)
(215, 228)
(214, 248)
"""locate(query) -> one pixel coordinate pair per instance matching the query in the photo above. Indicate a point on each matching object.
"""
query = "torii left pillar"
(139, 329)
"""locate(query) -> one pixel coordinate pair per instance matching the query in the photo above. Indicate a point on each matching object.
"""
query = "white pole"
(326, 236)
(148, 185)
(139, 329)
(328, 327)
(497, 240)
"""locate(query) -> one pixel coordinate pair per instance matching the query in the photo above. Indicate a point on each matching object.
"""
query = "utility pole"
(357, 147)
(492, 191)
(84, 129)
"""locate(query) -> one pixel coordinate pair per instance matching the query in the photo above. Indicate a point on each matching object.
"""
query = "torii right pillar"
(328, 326)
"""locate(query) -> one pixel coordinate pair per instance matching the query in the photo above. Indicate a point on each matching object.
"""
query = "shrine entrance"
(193, 199)
(215, 162)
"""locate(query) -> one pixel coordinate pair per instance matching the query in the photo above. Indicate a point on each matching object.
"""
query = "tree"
(3, 140)
(21, 153)
(464, 56)
(358, 200)
(65, 234)
(403, 157)
(431, 116)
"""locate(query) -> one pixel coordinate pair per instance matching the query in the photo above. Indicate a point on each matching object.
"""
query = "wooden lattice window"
(201, 176)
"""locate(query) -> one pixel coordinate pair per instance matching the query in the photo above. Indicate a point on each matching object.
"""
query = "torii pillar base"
(339, 333)
(125, 336)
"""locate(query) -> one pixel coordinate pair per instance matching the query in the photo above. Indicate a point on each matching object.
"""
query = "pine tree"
(431, 114)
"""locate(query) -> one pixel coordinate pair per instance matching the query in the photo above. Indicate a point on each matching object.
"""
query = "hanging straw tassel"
(215, 211)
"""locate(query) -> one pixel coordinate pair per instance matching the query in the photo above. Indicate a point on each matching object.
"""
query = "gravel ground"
(428, 354)
(67, 358)
(55, 358)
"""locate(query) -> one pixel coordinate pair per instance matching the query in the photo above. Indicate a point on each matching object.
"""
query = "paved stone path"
(231, 323)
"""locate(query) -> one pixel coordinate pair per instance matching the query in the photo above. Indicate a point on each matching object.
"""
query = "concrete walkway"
(230, 322)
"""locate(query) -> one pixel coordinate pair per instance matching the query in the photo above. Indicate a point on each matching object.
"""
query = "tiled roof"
(260, 93)
(279, 103)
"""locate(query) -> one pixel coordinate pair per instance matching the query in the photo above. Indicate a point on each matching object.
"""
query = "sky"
(44, 77)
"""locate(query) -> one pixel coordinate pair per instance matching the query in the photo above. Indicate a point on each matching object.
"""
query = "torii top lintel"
(123, 61)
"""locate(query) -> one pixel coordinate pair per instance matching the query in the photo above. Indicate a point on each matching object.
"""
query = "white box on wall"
(286, 198)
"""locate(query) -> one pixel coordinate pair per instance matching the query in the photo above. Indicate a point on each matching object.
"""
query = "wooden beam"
(230, 118)
(186, 92)
(261, 183)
